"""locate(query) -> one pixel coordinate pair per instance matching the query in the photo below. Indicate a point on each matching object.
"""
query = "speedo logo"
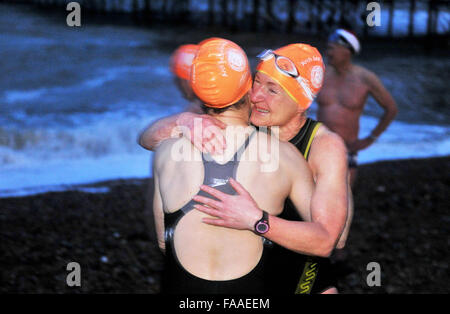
(307, 280)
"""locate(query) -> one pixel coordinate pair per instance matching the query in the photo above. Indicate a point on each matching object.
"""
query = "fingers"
(205, 129)
(238, 187)
(208, 148)
(206, 133)
(208, 210)
(208, 201)
(214, 136)
(212, 212)
(214, 192)
(214, 222)
(197, 141)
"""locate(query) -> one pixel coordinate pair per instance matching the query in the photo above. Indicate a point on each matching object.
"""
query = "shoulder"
(272, 150)
(328, 150)
(290, 152)
(327, 139)
(169, 149)
(292, 159)
(366, 75)
(270, 143)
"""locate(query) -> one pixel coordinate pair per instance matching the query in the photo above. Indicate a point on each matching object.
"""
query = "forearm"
(309, 238)
(158, 131)
(384, 122)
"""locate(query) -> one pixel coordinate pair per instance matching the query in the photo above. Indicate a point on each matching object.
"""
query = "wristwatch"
(262, 225)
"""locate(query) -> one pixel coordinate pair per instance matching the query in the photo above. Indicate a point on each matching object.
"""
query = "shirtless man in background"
(201, 258)
(344, 94)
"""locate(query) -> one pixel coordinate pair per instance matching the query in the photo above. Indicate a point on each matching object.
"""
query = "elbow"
(325, 249)
(145, 143)
(322, 248)
(327, 244)
(393, 112)
(140, 140)
(162, 246)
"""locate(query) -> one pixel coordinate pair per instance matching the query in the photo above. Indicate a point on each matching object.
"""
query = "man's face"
(337, 54)
(271, 105)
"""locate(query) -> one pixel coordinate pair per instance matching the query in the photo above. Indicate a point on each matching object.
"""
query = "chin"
(258, 121)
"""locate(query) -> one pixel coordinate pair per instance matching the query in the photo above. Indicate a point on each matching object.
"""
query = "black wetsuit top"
(291, 272)
(178, 280)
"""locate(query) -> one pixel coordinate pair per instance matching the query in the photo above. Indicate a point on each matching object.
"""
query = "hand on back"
(204, 131)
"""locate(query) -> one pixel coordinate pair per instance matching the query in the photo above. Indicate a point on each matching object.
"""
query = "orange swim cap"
(220, 74)
(181, 60)
(302, 59)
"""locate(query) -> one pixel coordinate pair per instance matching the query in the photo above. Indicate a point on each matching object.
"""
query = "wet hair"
(237, 105)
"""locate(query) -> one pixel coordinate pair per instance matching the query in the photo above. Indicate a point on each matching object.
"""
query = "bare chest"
(349, 92)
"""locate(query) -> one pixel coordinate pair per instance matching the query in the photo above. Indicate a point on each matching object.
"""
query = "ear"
(348, 53)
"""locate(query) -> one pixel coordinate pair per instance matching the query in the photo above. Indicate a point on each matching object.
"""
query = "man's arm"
(385, 100)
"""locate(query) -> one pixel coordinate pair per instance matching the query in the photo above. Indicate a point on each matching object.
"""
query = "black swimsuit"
(178, 280)
(292, 272)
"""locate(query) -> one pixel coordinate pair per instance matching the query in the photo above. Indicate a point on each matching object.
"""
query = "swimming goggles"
(287, 67)
(283, 64)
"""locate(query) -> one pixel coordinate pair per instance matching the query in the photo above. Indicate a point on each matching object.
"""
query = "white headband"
(351, 39)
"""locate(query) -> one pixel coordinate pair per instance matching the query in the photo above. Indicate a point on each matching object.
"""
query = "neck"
(236, 121)
(234, 118)
(290, 129)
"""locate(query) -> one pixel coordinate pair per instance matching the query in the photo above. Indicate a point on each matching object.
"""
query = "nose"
(256, 93)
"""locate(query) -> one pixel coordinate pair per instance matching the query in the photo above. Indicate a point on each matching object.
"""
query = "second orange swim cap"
(181, 60)
(220, 74)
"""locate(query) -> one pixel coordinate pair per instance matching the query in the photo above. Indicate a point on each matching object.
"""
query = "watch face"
(262, 227)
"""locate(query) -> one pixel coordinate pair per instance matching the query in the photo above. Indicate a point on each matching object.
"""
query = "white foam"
(53, 188)
(401, 140)
(61, 175)
(99, 79)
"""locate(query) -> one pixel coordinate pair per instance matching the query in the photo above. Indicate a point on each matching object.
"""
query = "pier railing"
(290, 16)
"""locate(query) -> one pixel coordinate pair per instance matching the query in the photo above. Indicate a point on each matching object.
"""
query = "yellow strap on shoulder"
(316, 127)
